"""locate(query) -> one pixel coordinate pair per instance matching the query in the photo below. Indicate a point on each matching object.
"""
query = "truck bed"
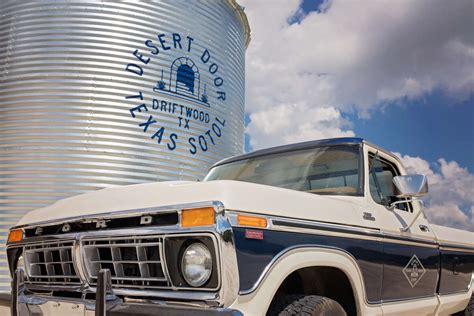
(456, 248)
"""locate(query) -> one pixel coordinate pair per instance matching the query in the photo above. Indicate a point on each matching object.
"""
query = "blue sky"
(433, 125)
(398, 74)
(311, 5)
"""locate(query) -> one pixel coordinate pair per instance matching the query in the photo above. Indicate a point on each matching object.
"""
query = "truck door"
(411, 259)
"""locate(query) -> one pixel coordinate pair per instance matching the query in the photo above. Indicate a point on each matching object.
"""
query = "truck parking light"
(254, 221)
(15, 235)
(203, 216)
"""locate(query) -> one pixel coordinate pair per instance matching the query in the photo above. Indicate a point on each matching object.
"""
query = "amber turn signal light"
(254, 221)
(198, 217)
(15, 235)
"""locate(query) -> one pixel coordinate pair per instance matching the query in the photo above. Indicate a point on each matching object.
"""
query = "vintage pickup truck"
(328, 227)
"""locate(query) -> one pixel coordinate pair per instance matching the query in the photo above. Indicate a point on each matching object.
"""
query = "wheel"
(469, 311)
(310, 305)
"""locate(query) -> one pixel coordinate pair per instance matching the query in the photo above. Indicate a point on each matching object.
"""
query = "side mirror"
(410, 186)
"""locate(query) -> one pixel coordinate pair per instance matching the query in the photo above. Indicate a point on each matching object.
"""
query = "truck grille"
(51, 263)
(133, 262)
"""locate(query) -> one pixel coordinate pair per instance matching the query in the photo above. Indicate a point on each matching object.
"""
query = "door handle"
(424, 228)
(368, 216)
(455, 265)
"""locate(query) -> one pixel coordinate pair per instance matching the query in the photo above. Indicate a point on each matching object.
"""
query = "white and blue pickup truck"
(328, 227)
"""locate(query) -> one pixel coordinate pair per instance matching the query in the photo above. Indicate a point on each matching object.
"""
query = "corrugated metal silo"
(94, 94)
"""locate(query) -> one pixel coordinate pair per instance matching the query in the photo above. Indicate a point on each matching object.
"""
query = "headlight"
(196, 264)
(20, 263)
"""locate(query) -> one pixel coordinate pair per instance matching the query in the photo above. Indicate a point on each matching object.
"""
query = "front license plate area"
(58, 308)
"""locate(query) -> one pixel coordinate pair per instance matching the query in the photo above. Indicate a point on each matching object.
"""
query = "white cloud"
(301, 78)
(288, 123)
(451, 188)
(352, 56)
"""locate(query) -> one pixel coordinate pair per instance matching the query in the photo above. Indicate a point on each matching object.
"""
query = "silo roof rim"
(243, 18)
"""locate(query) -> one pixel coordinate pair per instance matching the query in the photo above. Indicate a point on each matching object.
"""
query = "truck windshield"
(321, 170)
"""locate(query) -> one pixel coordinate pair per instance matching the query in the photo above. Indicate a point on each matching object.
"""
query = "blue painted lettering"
(218, 81)
(139, 109)
(163, 106)
(221, 95)
(137, 96)
(134, 68)
(146, 124)
(205, 56)
(216, 129)
(156, 104)
(189, 112)
(173, 138)
(220, 122)
(191, 141)
(158, 135)
(208, 133)
(170, 82)
(186, 122)
(177, 40)
(149, 43)
(140, 57)
(162, 42)
(202, 143)
(213, 68)
(190, 40)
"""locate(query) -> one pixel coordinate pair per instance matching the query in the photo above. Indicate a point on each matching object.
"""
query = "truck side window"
(381, 182)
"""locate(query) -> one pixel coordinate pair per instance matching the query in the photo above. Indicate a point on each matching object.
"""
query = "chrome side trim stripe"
(460, 248)
(315, 227)
(325, 227)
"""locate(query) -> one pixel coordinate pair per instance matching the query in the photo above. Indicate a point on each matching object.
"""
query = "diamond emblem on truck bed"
(414, 271)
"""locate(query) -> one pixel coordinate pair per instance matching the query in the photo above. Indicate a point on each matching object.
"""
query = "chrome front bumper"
(106, 303)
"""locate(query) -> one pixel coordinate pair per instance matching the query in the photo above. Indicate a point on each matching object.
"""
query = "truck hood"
(235, 195)
(452, 236)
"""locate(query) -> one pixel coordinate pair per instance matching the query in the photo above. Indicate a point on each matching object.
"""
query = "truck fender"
(257, 300)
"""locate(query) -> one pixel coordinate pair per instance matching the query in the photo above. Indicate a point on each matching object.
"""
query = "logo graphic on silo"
(179, 92)
(183, 79)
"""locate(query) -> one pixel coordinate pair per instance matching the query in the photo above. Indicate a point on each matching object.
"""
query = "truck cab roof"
(304, 145)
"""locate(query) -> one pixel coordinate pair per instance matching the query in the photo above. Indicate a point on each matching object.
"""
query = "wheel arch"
(259, 297)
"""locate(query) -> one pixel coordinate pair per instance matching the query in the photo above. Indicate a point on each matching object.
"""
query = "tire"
(310, 305)
(469, 311)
